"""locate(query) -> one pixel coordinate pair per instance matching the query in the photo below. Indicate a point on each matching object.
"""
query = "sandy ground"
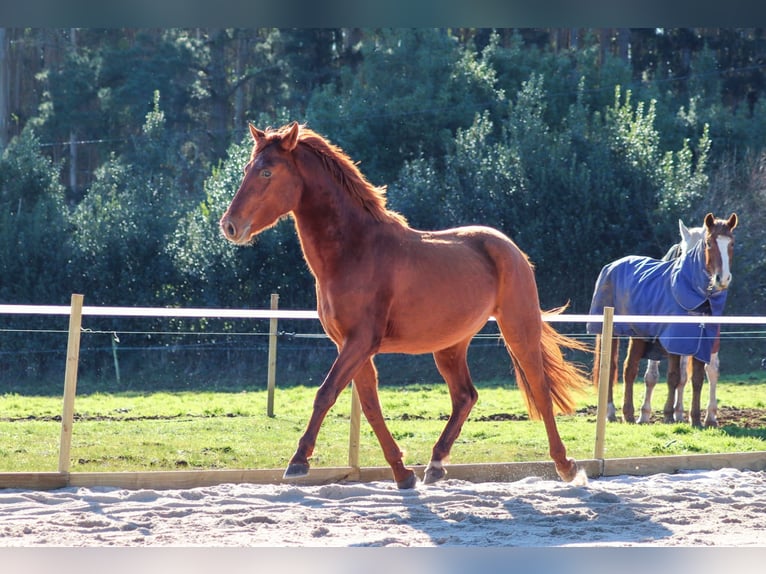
(690, 509)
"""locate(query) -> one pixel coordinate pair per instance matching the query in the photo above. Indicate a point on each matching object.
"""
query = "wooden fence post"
(271, 376)
(603, 380)
(70, 381)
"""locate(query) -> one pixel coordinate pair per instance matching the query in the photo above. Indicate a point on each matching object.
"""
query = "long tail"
(564, 378)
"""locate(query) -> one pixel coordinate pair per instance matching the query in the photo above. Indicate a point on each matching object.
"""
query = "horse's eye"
(266, 173)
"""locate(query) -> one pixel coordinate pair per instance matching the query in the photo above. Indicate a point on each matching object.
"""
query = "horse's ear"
(684, 231)
(731, 223)
(256, 133)
(290, 139)
(709, 220)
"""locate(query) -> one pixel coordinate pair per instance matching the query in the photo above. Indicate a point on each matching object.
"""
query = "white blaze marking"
(723, 247)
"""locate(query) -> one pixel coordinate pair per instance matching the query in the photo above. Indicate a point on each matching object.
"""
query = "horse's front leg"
(674, 376)
(683, 377)
(698, 378)
(711, 370)
(629, 373)
(651, 376)
(350, 358)
(366, 383)
(453, 366)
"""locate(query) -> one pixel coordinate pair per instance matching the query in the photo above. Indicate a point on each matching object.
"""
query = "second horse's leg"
(651, 376)
(698, 378)
(629, 373)
(674, 375)
(711, 418)
(683, 377)
(611, 411)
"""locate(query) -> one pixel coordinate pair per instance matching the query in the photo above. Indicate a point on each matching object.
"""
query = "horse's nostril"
(229, 229)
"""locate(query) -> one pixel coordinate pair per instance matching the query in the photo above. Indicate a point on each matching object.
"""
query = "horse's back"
(632, 285)
(444, 284)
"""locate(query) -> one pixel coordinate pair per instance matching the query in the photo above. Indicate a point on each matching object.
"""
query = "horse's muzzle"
(232, 232)
(721, 282)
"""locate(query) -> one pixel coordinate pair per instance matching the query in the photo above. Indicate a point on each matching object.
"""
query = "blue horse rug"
(637, 285)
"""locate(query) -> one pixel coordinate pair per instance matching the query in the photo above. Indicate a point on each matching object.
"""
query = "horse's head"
(270, 188)
(719, 249)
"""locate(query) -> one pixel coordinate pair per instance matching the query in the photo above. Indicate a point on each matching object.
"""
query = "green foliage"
(33, 225)
(412, 89)
(120, 261)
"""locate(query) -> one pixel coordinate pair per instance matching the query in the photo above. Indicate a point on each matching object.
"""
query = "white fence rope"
(309, 314)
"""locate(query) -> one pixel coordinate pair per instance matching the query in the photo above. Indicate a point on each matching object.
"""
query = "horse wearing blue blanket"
(695, 283)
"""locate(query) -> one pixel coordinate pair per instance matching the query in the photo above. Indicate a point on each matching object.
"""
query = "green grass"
(216, 430)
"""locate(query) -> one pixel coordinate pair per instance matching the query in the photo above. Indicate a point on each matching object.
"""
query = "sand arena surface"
(697, 508)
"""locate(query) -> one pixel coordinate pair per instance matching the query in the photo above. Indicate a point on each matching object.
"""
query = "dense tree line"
(121, 148)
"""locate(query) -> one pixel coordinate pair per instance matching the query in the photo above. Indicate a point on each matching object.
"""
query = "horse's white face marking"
(723, 248)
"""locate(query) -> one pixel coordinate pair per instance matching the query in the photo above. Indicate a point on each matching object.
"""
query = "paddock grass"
(130, 431)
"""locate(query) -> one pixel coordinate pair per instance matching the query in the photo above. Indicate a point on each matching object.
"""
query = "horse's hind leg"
(453, 366)
(523, 337)
(366, 382)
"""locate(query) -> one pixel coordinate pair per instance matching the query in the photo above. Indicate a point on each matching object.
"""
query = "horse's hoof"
(434, 473)
(711, 424)
(296, 470)
(408, 483)
(568, 474)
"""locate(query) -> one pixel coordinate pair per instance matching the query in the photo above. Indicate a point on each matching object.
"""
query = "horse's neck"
(696, 234)
(690, 280)
(330, 224)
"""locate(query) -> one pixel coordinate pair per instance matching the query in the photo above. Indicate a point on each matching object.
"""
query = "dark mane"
(347, 174)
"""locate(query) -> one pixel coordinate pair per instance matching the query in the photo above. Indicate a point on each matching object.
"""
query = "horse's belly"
(430, 328)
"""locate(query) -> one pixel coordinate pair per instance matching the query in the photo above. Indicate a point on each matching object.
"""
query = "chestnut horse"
(383, 287)
(696, 283)
(689, 237)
